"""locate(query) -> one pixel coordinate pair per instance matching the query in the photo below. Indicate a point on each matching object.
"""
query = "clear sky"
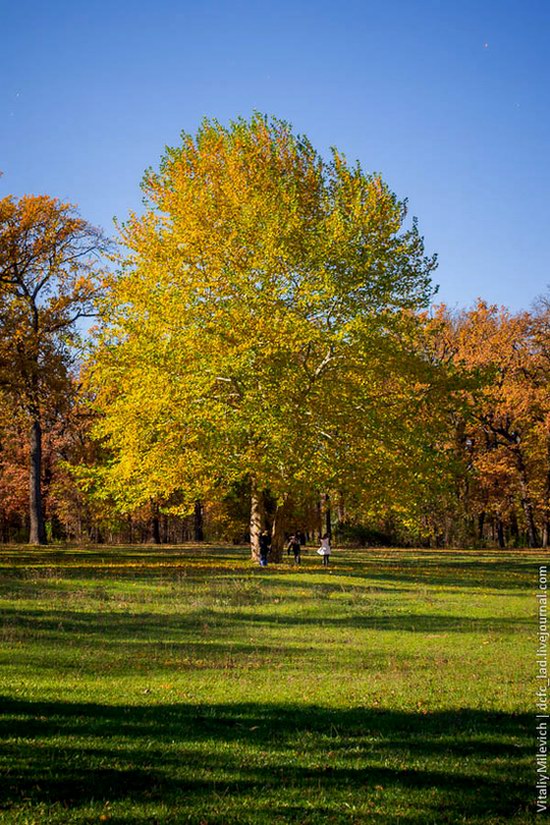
(449, 101)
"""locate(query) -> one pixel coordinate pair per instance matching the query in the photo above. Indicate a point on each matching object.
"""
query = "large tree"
(256, 329)
(48, 281)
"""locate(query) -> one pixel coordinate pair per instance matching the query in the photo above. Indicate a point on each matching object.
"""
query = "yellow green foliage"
(263, 324)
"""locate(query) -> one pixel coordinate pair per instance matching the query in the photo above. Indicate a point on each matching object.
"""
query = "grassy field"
(180, 685)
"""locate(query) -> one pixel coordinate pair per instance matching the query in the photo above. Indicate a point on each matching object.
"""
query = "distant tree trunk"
(198, 530)
(36, 511)
(165, 529)
(500, 533)
(256, 514)
(447, 532)
(155, 523)
(514, 528)
(328, 516)
(526, 502)
(546, 523)
(480, 525)
(319, 514)
(341, 509)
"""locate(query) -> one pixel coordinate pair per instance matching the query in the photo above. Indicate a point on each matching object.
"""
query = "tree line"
(265, 353)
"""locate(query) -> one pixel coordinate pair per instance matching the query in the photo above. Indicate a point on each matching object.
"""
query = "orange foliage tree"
(49, 277)
(505, 436)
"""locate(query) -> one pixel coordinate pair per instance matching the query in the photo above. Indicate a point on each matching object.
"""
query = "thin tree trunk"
(480, 525)
(328, 516)
(319, 519)
(514, 527)
(36, 511)
(546, 525)
(256, 513)
(155, 523)
(500, 533)
(198, 529)
(341, 509)
(526, 502)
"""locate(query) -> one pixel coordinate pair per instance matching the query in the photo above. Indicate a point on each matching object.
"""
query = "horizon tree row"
(265, 355)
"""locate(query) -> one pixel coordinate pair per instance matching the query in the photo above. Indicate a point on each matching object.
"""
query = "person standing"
(325, 549)
(295, 547)
(264, 548)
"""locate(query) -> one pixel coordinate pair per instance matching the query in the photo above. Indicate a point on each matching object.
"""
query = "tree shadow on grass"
(51, 626)
(483, 569)
(212, 760)
(405, 622)
(449, 571)
(117, 643)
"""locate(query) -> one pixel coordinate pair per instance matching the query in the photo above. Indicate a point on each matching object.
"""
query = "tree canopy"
(261, 324)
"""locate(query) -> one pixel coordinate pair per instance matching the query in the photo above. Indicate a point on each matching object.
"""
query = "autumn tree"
(254, 333)
(505, 431)
(14, 483)
(539, 378)
(49, 268)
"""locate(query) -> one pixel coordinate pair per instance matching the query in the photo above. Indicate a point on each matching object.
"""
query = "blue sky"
(449, 101)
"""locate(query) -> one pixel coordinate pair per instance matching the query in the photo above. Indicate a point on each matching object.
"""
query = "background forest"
(267, 351)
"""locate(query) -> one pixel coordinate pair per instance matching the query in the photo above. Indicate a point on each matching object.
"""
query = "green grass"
(180, 685)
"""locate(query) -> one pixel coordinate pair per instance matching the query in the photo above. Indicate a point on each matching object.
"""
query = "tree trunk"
(341, 510)
(256, 513)
(480, 525)
(319, 519)
(526, 502)
(546, 525)
(36, 511)
(155, 523)
(198, 529)
(500, 533)
(278, 532)
(514, 529)
(328, 516)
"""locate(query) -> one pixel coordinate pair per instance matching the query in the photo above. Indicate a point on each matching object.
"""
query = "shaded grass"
(186, 685)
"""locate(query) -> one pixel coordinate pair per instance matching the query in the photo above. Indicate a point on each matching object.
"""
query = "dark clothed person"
(295, 547)
(264, 548)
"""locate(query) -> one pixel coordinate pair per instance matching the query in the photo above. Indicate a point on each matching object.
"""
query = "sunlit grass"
(187, 685)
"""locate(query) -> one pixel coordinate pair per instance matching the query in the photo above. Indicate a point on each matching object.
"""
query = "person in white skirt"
(324, 550)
